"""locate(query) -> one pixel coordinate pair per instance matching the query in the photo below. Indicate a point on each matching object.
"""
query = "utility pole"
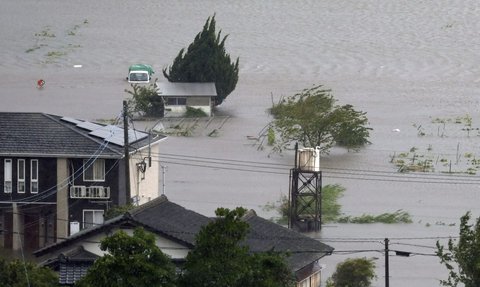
(126, 152)
(387, 275)
(164, 168)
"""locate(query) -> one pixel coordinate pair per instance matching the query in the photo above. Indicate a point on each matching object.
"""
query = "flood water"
(413, 66)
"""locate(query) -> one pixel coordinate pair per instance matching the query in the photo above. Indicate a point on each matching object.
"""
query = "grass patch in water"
(331, 210)
(398, 216)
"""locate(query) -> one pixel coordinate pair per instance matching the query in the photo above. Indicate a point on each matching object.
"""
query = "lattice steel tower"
(305, 196)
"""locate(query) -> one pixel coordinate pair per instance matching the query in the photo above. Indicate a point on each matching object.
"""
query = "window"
(7, 173)
(92, 218)
(312, 281)
(94, 171)
(34, 176)
(176, 101)
(21, 176)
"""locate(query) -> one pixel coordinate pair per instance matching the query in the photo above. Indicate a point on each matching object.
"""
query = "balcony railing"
(90, 192)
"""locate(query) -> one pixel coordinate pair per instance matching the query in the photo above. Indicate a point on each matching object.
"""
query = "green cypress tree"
(206, 61)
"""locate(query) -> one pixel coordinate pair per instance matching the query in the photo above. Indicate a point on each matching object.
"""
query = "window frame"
(34, 176)
(174, 101)
(21, 171)
(8, 174)
(93, 211)
(93, 166)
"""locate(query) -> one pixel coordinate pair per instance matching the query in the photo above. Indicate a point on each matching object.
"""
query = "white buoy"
(77, 66)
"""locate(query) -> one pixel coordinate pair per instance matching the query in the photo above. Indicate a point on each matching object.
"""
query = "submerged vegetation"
(331, 210)
(457, 132)
(58, 49)
(398, 216)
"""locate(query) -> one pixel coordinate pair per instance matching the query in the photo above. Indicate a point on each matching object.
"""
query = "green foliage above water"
(313, 119)
(331, 210)
(206, 61)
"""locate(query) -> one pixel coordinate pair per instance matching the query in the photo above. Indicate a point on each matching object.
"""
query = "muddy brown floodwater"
(412, 66)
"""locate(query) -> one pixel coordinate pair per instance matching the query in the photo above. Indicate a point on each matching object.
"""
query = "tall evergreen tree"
(206, 61)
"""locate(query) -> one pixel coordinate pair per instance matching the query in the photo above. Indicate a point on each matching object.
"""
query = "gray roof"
(181, 225)
(45, 135)
(265, 235)
(176, 89)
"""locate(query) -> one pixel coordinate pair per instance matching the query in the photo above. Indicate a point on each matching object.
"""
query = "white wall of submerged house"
(179, 111)
(144, 174)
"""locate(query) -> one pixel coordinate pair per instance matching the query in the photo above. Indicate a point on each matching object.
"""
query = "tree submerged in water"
(206, 61)
(312, 118)
(145, 101)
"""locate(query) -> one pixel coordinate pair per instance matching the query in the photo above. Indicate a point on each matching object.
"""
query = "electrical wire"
(246, 166)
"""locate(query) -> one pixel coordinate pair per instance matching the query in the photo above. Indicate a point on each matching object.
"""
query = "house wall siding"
(198, 101)
(30, 225)
(47, 179)
(203, 103)
(78, 205)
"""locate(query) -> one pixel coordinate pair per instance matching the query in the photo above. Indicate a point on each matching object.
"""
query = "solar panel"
(89, 126)
(71, 120)
(114, 134)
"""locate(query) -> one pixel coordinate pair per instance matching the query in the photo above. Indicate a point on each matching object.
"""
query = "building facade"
(59, 175)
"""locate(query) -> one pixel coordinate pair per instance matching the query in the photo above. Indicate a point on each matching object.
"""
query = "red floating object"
(40, 83)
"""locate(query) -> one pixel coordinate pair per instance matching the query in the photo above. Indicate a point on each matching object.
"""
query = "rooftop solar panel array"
(109, 133)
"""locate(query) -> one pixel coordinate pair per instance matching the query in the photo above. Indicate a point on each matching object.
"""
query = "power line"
(281, 169)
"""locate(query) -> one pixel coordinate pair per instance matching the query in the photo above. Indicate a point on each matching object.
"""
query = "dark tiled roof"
(71, 272)
(158, 215)
(71, 265)
(39, 134)
(265, 236)
(170, 219)
(181, 225)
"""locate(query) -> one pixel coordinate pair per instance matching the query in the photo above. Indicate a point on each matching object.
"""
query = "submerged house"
(175, 229)
(178, 96)
(59, 175)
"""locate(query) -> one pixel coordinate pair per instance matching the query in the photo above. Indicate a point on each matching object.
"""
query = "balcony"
(90, 192)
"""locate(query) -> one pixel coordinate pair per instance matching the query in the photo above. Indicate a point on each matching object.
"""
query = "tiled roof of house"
(39, 134)
(265, 235)
(71, 265)
(181, 225)
(158, 215)
(170, 219)
(71, 272)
